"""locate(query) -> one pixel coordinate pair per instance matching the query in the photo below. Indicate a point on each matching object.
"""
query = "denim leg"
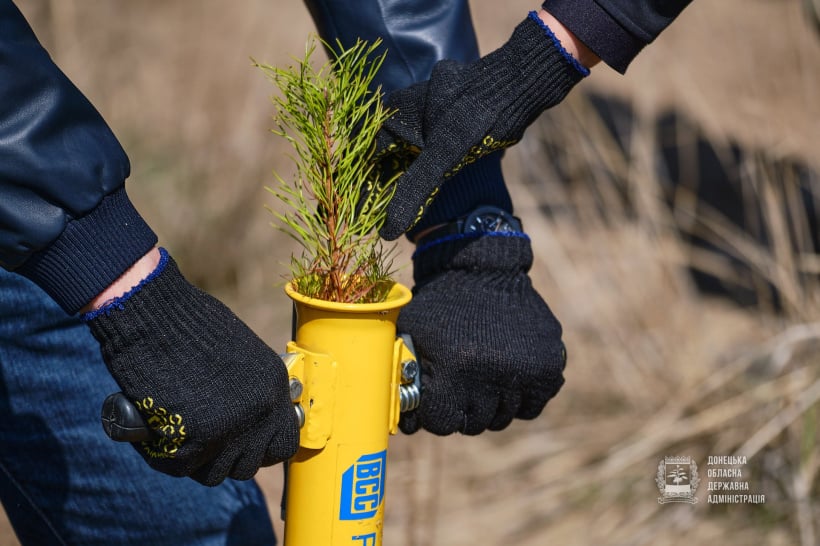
(62, 481)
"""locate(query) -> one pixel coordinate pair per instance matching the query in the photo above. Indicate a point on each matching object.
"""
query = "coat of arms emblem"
(677, 480)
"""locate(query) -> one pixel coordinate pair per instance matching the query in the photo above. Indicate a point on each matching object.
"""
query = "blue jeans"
(62, 481)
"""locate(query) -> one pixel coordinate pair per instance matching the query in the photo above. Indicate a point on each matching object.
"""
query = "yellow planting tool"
(350, 378)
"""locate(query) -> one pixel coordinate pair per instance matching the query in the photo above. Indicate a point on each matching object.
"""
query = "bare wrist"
(571, 43)
(128, 280)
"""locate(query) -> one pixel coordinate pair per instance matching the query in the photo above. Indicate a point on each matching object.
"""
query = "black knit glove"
(213, 391)
(466, 111)
(489, 346)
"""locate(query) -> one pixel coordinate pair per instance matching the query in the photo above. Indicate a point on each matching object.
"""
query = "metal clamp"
(410, 389)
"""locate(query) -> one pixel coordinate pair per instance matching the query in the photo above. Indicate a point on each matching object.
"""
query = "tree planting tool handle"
(122, 421)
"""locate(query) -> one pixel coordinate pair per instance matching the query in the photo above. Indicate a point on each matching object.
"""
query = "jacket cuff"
(91, 253)
(598, 30)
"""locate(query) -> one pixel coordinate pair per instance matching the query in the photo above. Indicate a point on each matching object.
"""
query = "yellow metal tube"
(348, 377)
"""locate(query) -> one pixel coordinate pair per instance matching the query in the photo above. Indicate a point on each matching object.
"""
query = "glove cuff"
(502, 253)
(533, 69)
(119, 302)
(162, 302)
(556, 43)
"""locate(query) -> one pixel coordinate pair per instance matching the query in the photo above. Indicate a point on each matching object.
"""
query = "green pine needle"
(336, 203)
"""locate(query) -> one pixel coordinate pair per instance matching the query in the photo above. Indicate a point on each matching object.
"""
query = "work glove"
(489, 346)
(214, 393)
(466, 111)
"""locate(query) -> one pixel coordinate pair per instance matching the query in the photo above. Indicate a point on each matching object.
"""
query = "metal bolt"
(295, 389)
(409, 370)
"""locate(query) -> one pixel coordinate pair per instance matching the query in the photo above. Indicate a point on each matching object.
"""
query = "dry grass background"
(655, 368)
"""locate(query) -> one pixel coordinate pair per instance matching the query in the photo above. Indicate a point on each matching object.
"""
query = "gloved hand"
(489, 346)
(215, 393)
(466, 111)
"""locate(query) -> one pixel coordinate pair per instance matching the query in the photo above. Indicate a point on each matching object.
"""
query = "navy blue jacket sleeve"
(616, 30)
(65, 220)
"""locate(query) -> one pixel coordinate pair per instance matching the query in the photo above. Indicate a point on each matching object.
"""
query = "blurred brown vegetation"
(656, 367)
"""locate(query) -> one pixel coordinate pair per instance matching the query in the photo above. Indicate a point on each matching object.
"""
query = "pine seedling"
(335, 202)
